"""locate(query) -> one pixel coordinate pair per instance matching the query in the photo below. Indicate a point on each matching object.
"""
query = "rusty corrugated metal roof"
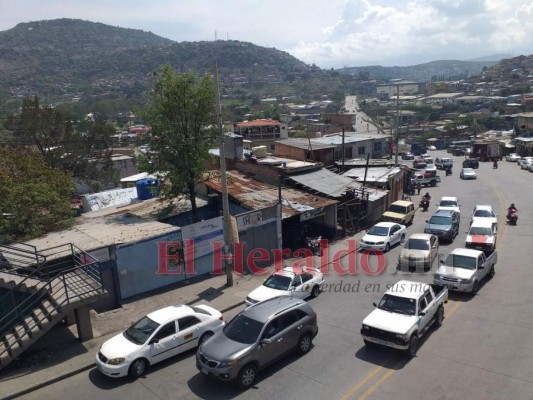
(254, 194)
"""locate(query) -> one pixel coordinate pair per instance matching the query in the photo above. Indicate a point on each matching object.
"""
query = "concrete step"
(20, 282)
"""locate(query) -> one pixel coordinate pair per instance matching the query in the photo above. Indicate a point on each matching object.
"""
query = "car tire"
(492, 272)
(137, 368)
(204, 338)
(475, 288)
(413, 346)
(439, 318)
(304, 343)
(315, 291)
(247, 376)
(402, 238)
(387, 247)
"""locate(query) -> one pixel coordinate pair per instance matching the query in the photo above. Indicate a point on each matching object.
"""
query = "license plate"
(380, 341)
(205, 371)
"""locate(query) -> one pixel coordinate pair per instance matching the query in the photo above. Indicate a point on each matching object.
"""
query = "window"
(306, 277)
(167, 330)
(377, 146)
(361, 150)
(297, 281)
(291, 317)
(273, 328)
(429, 298)
(421, 304)
(187, 322)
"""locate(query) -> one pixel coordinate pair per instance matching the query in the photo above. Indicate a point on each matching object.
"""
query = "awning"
(326, 182)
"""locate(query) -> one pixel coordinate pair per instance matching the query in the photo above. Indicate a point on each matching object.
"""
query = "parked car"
(256, 337)
(523, 160)
(418, 252)
(526, 164)
(481, 235)
(408, 156)
(428, 159)
(464, 269)
(299, 282)
(401, 211)
(404, 314)
(513, 157)
(431, 169)
(419, 163)
(432, 148)
(471, 163)
(468, 173)
(444, 224)
(485, 212)
(157, 336)
(443, 162)
(449, 203)
(383, 236)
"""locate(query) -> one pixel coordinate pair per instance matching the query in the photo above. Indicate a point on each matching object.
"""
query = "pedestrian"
(418, 187)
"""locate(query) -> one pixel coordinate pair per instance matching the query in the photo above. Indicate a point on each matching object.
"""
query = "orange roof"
(258, 122)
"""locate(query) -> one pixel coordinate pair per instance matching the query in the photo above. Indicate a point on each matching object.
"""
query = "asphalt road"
(483, 351)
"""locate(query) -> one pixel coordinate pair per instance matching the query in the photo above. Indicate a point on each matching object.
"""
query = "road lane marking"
(454, 307)
(372, 388)
(358, 386)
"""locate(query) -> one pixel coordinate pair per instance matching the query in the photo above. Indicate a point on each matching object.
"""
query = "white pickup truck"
(404, 314)
(464, 269)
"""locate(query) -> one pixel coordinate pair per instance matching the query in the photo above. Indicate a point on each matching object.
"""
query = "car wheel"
(247, 376)
(413, 346)
(387, 247)
(475, 288)
(492, 272)
(440, 317)
(204, 338)
(137, 368)
(304, 343)
(315, 291)
(402, 239)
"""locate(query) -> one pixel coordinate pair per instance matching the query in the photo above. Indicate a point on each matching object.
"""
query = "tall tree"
(86, 156)
(181, 113)
(34, 197)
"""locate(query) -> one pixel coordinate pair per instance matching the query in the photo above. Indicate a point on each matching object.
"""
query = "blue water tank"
(147, 188)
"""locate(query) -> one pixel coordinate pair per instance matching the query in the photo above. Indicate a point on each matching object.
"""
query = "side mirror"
(421, 313)
(441, 261)
(266, 341)
(374, 304)
(154, 341)
(482, 266)
(427, 222)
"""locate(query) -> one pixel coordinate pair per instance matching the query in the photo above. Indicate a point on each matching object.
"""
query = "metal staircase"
(38, 289)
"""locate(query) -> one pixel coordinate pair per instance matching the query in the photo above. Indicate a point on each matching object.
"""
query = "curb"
(80, 369)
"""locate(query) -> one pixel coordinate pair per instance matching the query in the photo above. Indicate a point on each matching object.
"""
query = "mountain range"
(65, 58)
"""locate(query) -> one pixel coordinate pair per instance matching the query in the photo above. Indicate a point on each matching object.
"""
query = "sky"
(329, 34)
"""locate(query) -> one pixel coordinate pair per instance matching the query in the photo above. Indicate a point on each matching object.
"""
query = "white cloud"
(335, 33)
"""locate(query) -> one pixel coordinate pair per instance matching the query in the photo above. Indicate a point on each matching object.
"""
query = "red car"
(419, 163)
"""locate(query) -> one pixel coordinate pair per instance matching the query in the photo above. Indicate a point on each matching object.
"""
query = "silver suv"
(257, 337)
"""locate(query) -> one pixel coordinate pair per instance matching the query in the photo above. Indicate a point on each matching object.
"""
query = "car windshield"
(378, 231)
(397, 209)
(440, 220)
(448, 203)
(465, 262)
(484, 213)
(396, 304)
(476, 230)
(468, 170)
(417, 244)
(141, 330)
(243, 329)
(278, 282)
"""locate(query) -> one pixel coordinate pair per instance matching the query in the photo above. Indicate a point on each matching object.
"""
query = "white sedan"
(383, 236)
(485, 212)
(156, 337)
(513, 157)
(468, 173)
(299, 282)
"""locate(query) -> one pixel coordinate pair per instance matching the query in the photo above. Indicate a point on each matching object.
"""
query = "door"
(434, 243)
(293, 321)
(298, 290)
(164, 343)
(277, 344)
(395, 234)
(190, 330)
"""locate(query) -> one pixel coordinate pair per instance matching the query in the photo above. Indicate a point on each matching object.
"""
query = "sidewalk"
(59, 354)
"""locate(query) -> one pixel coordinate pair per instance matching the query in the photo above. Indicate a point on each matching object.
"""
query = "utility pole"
(223, 178)
(343, 150)
(397, 138)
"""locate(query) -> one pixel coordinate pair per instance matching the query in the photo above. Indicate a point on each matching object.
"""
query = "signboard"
(307, 215)
(204, 234)
(249, 219)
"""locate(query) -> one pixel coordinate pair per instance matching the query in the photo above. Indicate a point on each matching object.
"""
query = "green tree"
(181, 113)
(35, 197)
(86, 156)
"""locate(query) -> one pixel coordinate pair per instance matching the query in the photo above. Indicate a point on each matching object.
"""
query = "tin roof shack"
(385, 178)
(301, 213)
(524, 146)
(304, 149)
